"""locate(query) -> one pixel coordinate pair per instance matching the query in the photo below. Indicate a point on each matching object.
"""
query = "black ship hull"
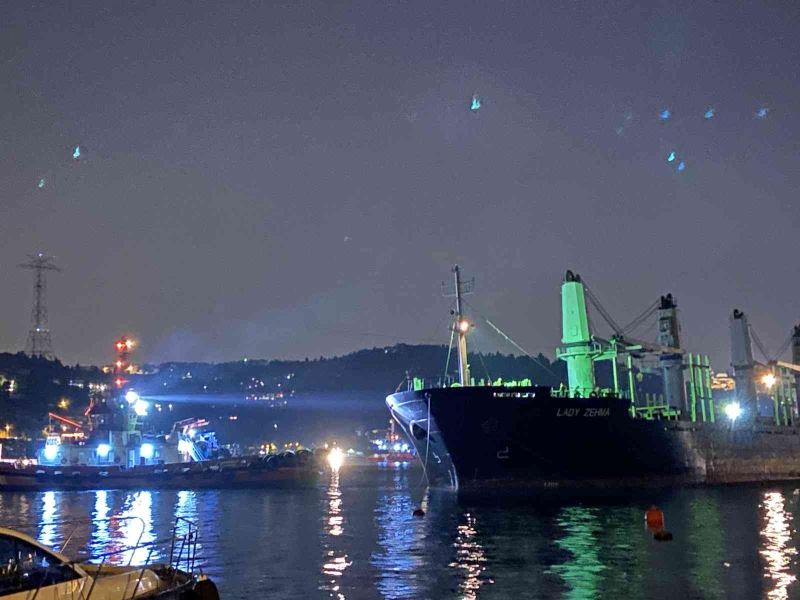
(526, 440)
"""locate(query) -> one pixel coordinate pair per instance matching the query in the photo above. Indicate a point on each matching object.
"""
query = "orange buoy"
(654, 519)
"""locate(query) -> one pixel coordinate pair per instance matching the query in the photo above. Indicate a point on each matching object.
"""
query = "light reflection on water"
(335, 561)
(47, 534)
(354, 537)
(778, 551)
(137, 529)
(583, 570)
(470, 558)
(398, 535)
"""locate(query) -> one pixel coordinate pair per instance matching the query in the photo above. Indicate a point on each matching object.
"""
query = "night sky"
(296, 179)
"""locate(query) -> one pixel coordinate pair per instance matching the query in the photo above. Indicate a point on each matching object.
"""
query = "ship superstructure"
(584, 434)
(112, 431)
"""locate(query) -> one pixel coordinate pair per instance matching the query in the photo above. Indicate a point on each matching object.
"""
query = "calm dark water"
(354, 537)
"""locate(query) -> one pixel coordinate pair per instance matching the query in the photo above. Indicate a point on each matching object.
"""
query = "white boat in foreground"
(29, 570)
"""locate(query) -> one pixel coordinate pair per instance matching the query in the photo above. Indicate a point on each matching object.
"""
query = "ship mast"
(461, 325)
(743, 364)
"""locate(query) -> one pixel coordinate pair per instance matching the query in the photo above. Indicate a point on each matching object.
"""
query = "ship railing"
(182, 557)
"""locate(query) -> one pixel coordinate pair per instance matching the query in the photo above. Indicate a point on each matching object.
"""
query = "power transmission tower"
(39, 341)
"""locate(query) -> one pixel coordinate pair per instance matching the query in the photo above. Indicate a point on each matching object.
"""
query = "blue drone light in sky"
(476, 103)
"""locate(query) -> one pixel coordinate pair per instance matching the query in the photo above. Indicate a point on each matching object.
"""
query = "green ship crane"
(579, 350)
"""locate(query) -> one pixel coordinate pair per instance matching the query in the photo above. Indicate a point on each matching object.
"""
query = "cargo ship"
(109, 448)
(520, 438)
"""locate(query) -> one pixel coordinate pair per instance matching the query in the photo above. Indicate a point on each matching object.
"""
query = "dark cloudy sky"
(290, 179)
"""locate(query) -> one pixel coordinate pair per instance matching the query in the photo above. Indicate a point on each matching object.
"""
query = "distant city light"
(671, 157)
(103, 450)
(147, 451)
(665, 114)
(733, 410)
(709, 114)
(762, 112)
(335, 458)
(76, 153)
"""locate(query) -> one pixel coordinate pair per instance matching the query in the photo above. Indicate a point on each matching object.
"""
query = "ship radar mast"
(461, 325)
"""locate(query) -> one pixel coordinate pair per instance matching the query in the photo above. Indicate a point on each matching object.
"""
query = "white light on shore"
(335, 458)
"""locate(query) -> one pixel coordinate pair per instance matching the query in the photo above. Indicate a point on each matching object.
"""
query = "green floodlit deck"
(702, 406)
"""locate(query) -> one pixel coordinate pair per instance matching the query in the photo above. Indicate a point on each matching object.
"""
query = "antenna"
(39, 341)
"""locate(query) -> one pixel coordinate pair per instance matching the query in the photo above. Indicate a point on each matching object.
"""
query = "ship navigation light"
(141, 407)
(733, 410)
(51, 447)
(147, 451)
(769, 380)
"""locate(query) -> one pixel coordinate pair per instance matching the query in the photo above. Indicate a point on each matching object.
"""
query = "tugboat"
(390, 449)
(526, 439)
(111, 450)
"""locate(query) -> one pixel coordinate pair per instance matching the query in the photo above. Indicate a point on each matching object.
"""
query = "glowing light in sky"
(665, 114)
(709, 114)
(476, 103)
(761, 113)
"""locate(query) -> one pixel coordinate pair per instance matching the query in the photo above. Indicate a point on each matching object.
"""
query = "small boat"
(390, 449)
(29, 570)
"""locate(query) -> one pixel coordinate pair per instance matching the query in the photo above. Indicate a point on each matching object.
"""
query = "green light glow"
(583, 573)
(579, 351)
